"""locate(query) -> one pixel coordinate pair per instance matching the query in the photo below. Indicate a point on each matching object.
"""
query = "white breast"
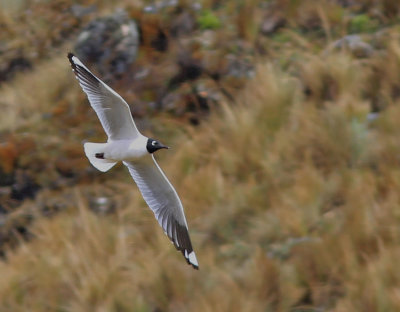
(121, 150)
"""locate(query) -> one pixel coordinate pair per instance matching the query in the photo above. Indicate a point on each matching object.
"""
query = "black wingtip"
(70, 56)
(196, 267)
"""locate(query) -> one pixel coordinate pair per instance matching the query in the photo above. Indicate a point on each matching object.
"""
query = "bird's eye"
(154, 143)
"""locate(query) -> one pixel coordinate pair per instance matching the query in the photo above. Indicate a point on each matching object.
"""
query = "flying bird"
(125, 143)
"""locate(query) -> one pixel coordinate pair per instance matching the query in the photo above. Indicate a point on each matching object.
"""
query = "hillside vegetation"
(290, 181)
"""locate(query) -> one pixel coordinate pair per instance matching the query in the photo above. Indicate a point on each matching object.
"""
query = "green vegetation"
(208, 20)
(362, 23)
(292, 194)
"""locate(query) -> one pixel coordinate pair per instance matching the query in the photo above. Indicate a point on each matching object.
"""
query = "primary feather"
(112, 110)
(163, 200)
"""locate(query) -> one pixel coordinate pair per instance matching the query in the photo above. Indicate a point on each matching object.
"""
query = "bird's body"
(121, 150)
(125, 143)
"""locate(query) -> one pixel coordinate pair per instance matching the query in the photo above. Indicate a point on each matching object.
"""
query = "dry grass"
(292, 205)
(26, 107)
(291, 195)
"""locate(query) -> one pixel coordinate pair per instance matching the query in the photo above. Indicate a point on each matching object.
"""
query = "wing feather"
(163, 200)
(111, 109)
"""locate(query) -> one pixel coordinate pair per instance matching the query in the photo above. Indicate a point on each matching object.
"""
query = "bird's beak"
(164, 146)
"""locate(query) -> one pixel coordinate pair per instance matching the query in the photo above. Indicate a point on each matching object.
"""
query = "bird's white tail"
(95, 153)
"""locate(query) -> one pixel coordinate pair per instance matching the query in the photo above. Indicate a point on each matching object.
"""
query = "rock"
(24, 186)
(183, 24)
(355, 45)
(197, 6)
(239, 68)
(102, 205)
(372, 116)
(150, 9)
(158, 6)
(272, 23)
(110, 42)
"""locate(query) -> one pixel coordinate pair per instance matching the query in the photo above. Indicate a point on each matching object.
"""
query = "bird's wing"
(163, 200)
(112, 110)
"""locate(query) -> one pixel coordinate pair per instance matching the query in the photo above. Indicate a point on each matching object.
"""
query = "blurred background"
(284, 122)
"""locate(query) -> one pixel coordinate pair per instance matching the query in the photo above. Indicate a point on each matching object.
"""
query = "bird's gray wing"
(112, 110)
(163, 200)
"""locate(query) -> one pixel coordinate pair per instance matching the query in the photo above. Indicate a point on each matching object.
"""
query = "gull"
(125, 143)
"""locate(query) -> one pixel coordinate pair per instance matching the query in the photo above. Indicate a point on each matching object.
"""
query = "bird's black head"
(153, 145)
